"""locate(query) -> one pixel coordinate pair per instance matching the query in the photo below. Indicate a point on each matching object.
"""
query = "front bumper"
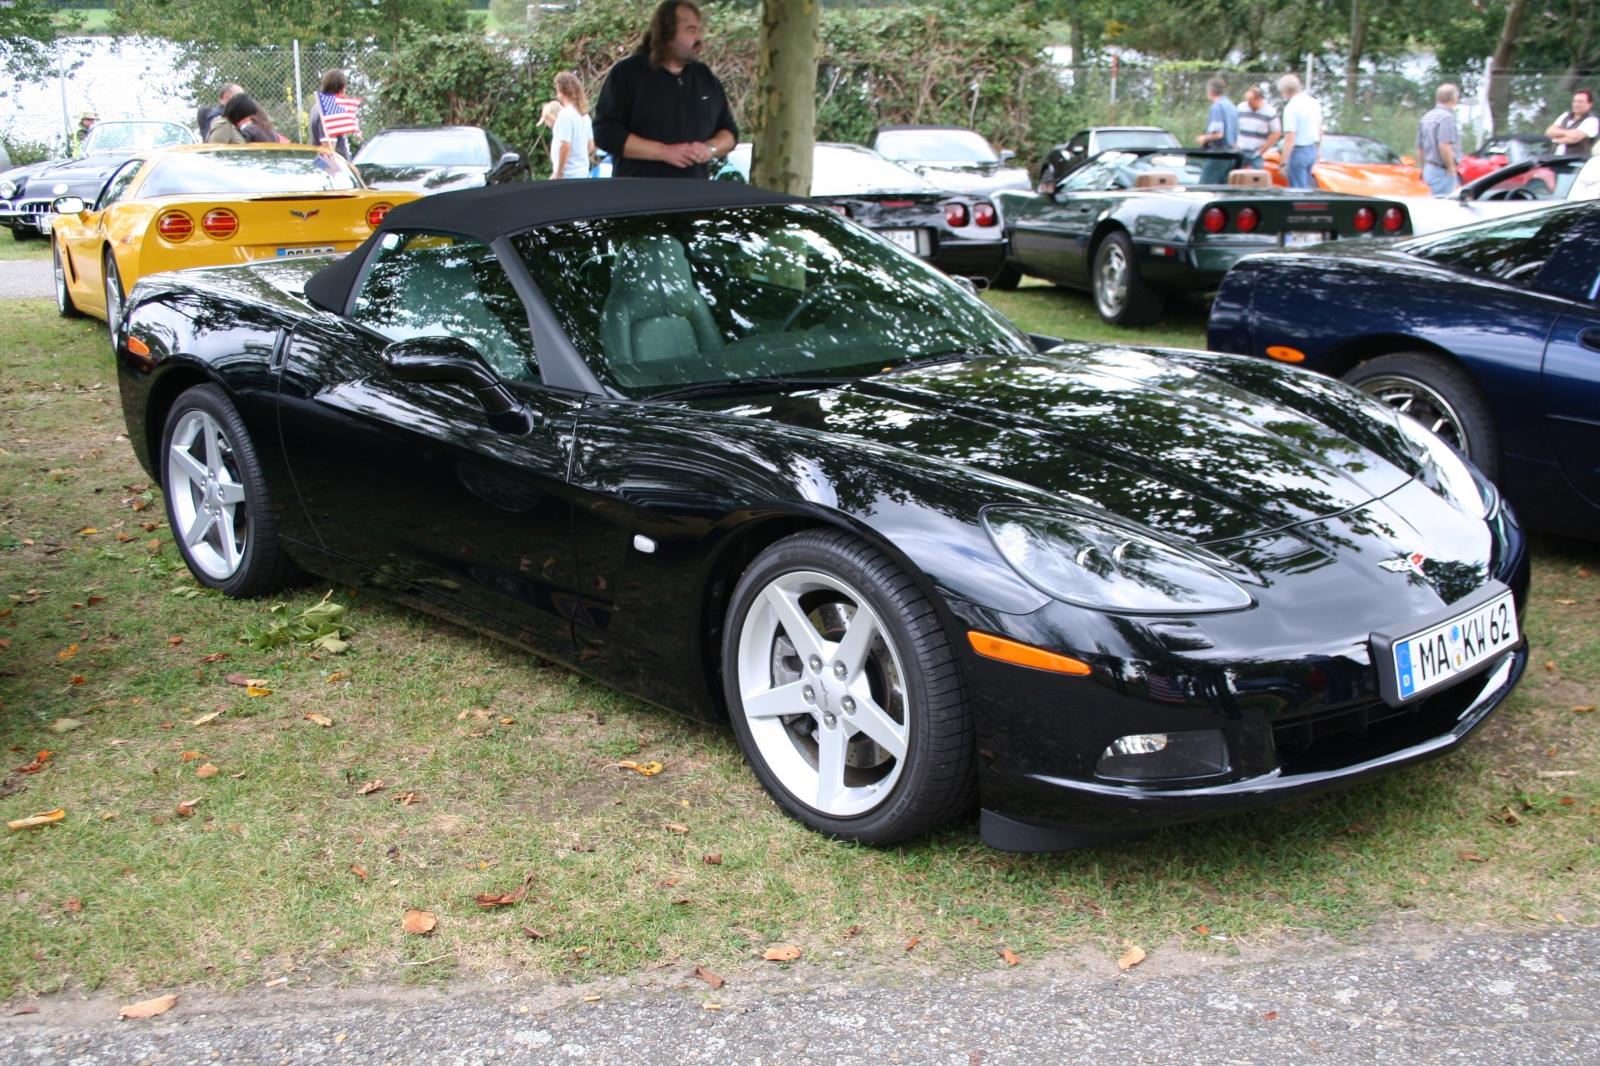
(27, 216)
(970, 259)
(1044, 813)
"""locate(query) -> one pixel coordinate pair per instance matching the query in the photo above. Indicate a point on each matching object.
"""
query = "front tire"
(114, 298)
(1120, 294)
(20, 232)
(217, 503)
(64, 305)
(1437, 392)
(845, 692)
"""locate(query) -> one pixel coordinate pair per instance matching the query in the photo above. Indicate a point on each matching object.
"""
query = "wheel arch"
(165, 389)
(1349, 354)
(1103, 229)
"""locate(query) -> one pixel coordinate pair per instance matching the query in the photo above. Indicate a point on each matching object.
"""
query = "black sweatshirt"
(659, 106)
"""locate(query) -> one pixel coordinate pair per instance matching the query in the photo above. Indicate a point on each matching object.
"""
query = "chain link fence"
(121, 79)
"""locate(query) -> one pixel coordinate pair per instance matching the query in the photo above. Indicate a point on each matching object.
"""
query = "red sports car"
(1503, 151)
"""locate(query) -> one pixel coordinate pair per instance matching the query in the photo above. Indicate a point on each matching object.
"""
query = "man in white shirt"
(1302, 132)
(1576, 131)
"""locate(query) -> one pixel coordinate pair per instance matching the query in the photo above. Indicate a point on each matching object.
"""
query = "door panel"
(1571, 387)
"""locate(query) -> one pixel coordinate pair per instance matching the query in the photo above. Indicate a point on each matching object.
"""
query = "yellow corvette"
(207, 205)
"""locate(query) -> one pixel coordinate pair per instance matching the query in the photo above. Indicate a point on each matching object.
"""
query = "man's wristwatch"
(712, 149)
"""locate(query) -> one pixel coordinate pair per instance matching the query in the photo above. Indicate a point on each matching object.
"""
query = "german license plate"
(1302, 239)
(905, 238)
(1434, 656)
(317, 249)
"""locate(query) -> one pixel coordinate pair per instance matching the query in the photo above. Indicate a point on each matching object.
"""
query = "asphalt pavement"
(25, 278)
(1407, 998)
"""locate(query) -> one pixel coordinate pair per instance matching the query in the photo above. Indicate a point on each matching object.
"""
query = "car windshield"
(426, 148)
(1511, 250)
(1551, 180)
(135, 136)
(1121, 170)
(660, 302)
(1339, 149)
(842, 171)
(936, 146)
(1108, 139)
(249, 170)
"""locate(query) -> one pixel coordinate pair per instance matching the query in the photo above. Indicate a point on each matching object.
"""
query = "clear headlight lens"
(1471, 491)
(1155, 756)
(1094, 561)
(8, 189)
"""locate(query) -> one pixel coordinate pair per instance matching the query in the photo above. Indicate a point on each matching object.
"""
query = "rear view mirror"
(69, 205)
(426, 360)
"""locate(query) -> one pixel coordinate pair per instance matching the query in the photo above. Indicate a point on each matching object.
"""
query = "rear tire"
(20, 232)
(867, 739)
(1437, 392)
(1120, 294)
(1007, 280)
(217, 503)
(64, 305)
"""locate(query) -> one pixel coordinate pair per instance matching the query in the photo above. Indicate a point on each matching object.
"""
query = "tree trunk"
(1352, 66)
(1505, 54)
(785, 111)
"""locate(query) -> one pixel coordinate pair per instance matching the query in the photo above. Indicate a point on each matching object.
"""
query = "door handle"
(1590, 339)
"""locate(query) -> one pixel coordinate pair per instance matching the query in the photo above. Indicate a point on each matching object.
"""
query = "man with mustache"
(662, 113)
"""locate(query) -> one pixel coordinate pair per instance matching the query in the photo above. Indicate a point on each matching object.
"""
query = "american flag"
(338, 114)
(1164, 689)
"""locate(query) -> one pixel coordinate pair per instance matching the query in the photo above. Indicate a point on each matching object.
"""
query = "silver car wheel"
(824, 693)
(208, 500)
(1423, 403)
(113, 299)
(59, 271)
(1111, 282)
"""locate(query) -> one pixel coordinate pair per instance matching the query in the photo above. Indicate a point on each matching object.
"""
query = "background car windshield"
(1121, 170)
(260, 170)
(1551, 180)
(426, 148)
(664, 301)
(1337, 149)
(842, 171)
(1108, 139)
(936, 146)
(131, 136)
(1512, 250)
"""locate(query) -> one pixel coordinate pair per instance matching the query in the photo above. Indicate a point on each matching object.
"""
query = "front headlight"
(1095, 561)
(8, 189)
(1470, 490)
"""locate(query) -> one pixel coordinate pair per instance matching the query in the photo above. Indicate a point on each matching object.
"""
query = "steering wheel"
(1522, 194)
(805, 301)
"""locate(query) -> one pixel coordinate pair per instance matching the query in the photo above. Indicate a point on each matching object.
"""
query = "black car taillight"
(1214, 219)
(1393, 219)
(955, 215)
(1365, 219)
(1248, 219)
(984, 214)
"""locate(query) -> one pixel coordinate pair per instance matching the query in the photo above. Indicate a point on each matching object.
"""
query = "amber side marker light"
(1286, 355)
(137, 346)
(1009, 651)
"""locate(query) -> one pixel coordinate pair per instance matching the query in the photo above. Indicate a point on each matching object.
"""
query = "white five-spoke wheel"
(823, 693)
(1120, 293)
(1111, 281)
(217, 498)
(844, 691)
(208, 500)
(113, 280)
(58, 268)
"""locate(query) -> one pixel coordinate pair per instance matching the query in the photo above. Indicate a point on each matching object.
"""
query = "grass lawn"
(496, 766)
(1040, 307)
(11, 248)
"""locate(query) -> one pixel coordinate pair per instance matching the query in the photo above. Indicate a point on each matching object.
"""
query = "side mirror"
(509, 164)
(69, 205)
(425, 360)
(1078, 149)
(1409, 161)
(1007, 155)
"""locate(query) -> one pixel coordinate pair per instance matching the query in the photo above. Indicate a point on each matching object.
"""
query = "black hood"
(82, 177)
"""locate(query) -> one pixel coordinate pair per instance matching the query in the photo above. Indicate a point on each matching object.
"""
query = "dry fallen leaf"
(1566, 603)
(648, 769)
(1467, 856)
(1010, 956)
(214, 657)
(186, 808)
(1583, 709)
(204, 718)
(321, 719)
(150, 1007)
(1133, 957)
(1203, 930)
(174, 641)
(781, 953)
(78, 679)
(208, 770)
(1566, 801)
(73, 905)
(508, 721)
(71, 650)
(36, 765)
(853, 930)
(503, 899)
(189, 756)
(710, 1006)
(714, 859)
(39, 819)
(418, 923)
(708, 977)
(257, 690)
(591, 999)
(358, 871)
(26, 1010)
(677, 828)
(339, 676)
(682, 902)
(533, 934)
(87, 531)
(370, 787)
(913, 942)
(237, 679)
(1269, 1016)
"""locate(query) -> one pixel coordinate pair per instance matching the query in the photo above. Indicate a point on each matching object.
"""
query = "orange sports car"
(207, 205)
(1358, 165)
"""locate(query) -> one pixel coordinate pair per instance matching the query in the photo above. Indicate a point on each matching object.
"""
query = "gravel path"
(1460, 999)
(25, 278)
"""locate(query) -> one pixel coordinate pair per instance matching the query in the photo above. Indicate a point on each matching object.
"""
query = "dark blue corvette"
(1488, 334)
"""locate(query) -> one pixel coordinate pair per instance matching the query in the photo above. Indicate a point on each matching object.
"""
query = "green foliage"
(26, 27)
(229, 24)
(321, 626)
(23, 152)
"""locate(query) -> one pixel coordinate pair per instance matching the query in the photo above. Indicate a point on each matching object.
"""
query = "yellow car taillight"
(175, 226)
(220, 224)
(375, 214)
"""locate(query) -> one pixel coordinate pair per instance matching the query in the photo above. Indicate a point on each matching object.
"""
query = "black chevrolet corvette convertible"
(734, 454)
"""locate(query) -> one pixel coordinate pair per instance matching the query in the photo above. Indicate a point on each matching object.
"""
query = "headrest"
(1251, 178)
(1155, 179)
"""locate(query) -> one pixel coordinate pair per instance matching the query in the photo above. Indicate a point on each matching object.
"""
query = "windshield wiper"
(749, 385)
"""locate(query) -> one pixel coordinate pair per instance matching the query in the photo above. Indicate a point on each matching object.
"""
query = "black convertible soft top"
(496, 211)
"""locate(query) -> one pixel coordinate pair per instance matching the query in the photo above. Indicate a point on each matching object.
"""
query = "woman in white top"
(572, 144)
